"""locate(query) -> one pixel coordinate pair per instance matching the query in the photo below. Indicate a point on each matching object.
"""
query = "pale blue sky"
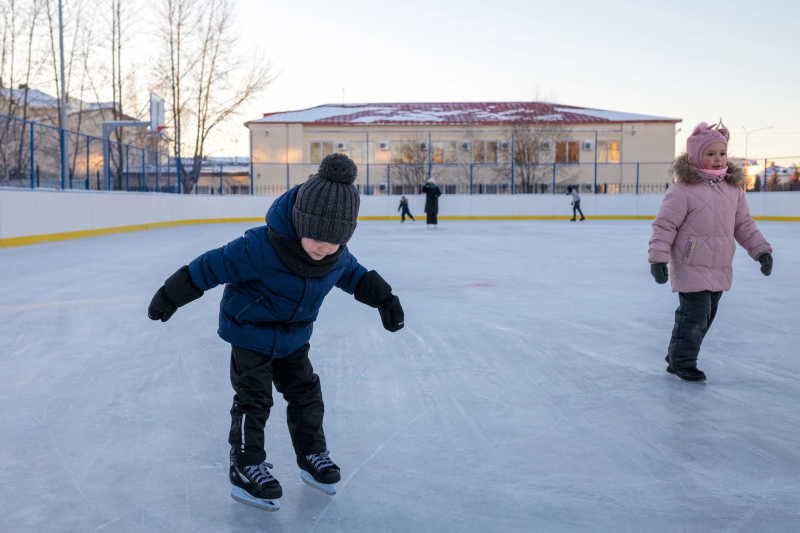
(693, 60)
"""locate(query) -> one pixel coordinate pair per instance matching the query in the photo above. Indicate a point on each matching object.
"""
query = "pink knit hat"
(703, 136)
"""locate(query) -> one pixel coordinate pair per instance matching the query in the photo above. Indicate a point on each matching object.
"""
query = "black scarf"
(299, 262)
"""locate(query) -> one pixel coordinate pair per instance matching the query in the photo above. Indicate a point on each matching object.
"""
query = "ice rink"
(527, 391)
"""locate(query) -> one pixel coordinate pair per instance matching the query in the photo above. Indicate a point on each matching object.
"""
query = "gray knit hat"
(326, 206)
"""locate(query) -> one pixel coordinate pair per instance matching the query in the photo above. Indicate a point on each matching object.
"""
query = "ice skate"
(688, 374)
(255, 486)
(318, 471)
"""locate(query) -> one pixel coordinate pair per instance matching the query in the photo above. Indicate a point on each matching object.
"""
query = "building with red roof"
(527, 146)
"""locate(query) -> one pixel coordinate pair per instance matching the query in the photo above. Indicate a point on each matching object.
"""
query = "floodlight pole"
(108, 128)
(64, 157)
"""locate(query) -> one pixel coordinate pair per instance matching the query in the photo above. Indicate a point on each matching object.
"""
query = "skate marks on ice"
(359, 467)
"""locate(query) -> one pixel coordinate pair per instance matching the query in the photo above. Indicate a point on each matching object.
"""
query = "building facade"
(524, 147)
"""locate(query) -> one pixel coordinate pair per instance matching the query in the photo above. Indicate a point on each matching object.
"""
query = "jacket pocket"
(248, 306)
(691, 247)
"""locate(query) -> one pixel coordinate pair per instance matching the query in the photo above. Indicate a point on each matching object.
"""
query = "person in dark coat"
(432, 202)
(276, 277)
(404, 206)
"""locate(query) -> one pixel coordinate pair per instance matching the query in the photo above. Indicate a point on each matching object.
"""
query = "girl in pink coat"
(702, 217)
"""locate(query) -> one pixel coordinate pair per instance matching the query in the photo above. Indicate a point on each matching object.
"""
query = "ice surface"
(527, 391)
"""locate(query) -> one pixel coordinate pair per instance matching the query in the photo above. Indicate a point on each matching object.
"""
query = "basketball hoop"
(161, 128)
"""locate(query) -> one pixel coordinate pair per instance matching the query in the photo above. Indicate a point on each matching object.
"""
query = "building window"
(567, 152)
(484, 152)
(443, 152)
(405, 152)
(319, 150)
(526, 152)
(608, 151)
(362, 154)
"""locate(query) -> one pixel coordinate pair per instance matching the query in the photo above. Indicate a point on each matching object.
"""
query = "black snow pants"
(406, 212)
(433, 218)
(693, 317)
(252, 376)
(577, 207)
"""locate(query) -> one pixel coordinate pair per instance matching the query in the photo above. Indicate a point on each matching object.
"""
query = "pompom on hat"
(701, 138)
(326, 206)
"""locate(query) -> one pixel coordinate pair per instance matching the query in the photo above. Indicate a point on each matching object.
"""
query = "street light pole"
(746, 139)
(64, 158)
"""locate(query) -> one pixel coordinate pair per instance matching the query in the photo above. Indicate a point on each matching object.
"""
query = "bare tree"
(534, 138)
(208, 81)
(411, 163)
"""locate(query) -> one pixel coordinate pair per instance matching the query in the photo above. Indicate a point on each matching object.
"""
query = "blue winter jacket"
(265, 307)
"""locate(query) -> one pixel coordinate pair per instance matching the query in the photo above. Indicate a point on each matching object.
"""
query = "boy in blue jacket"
(276, 277)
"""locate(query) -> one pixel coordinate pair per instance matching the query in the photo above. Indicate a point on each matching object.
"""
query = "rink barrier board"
(35, 216)
(69, 235)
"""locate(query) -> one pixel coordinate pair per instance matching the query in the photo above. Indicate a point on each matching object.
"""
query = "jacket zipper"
(689, 249)
(248, 306)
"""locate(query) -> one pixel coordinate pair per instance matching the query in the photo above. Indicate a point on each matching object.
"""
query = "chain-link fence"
(30, 157)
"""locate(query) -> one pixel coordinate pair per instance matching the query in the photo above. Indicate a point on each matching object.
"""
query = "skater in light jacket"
(576, 203)
(702, 217)
(276, 277)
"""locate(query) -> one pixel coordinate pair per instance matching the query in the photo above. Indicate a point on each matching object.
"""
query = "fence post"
(765, 175)
(512, 163)
(595, 162)
(178, 172)
(430, 150)
(220, 179)
(32, 160)
(251, 162)
(88, 140)
(142, 174)
(388, 183)
(127, 170)
(287, 176)
(470, 178)
(158, 171)
(554, 177)
(637, 178)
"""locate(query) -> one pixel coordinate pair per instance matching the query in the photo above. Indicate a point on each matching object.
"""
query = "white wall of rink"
(28, 216)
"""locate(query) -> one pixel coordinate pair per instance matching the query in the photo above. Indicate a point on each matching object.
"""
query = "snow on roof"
(35, 97)
(465, 113)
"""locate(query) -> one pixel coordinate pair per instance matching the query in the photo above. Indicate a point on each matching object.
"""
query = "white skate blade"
(311, 482)
(241, 496)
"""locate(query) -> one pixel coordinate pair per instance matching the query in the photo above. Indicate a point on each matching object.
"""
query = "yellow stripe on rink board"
(521, 217)
(68, 235)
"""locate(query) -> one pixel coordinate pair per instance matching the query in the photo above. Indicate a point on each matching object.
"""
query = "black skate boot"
(318, 471)
(688, 374)
(255, 486)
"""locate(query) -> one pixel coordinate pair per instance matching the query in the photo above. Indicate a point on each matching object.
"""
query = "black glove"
(176, 292)
(660, 272)
(373, 291)
(766, 263)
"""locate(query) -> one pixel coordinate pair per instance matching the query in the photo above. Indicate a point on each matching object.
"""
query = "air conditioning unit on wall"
(341, 146)
(465, 146)
(505, 145)
(423, 146)
(588, 145)
(546, 145)
(383, 145)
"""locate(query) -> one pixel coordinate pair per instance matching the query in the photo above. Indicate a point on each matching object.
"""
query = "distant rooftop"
(452, 113)
(38, 99)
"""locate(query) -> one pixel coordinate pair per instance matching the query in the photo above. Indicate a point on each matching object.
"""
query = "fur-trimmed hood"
(683, 172)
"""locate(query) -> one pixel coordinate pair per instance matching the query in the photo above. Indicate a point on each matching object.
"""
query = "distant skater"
(404, 207)
(432, 202)
(702, 217)
(576, 203)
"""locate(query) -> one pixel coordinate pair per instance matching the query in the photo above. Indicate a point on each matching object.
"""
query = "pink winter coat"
(696, 229)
